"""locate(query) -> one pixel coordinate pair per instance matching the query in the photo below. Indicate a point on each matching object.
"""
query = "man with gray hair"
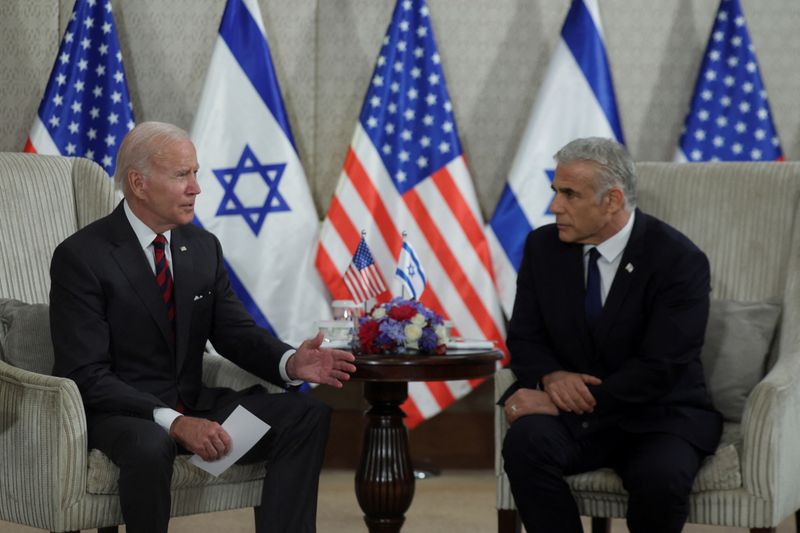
(133, 342)
(605, 339)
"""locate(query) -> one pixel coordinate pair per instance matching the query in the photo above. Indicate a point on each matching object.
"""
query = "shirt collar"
(144, 234)
(612, 247)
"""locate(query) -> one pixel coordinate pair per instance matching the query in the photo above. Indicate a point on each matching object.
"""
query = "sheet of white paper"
(245, 430)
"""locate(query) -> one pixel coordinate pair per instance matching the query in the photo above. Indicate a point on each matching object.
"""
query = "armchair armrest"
(44, 443)
(219, 372)
(771, 431)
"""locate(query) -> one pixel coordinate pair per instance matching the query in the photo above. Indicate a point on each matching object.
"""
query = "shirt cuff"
(282, 368)
(164, 417)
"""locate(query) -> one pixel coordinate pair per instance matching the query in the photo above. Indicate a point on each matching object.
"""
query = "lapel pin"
(629, 268)
(183, 248)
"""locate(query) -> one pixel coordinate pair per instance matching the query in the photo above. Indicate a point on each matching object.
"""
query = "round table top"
(455, 364)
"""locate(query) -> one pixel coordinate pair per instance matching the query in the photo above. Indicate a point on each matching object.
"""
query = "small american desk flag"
(729, 117)
(405, 169)
(362, 277)
(85, 110)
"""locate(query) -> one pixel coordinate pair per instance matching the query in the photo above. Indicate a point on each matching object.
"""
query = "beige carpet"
(456, 501)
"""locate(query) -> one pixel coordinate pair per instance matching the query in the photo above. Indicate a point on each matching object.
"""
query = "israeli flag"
(576, 100)
(255, 197)
(410, 274)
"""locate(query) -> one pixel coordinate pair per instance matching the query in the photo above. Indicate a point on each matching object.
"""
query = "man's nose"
(193, 186)
(555, 204)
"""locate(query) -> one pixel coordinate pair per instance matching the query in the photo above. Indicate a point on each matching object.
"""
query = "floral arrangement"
(400, 325)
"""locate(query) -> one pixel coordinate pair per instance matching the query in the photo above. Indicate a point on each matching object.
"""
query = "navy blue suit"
(645, 346)
(112, 337)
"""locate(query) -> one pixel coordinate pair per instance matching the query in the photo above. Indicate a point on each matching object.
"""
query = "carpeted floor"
(456, 501)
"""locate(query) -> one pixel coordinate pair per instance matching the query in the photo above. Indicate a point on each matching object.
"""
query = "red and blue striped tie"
(164, 277)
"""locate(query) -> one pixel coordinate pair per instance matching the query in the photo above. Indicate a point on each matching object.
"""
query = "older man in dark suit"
(605, 341)
(133, 342)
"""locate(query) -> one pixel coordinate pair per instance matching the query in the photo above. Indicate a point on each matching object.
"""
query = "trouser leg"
(658, 470)
(294, 449)
(538, 452)
(144, 453)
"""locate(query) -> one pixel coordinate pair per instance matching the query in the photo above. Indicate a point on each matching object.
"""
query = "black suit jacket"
(110, 329)
(645, 345)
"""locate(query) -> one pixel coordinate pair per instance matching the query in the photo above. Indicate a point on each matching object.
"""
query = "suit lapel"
(623, 279)
(182, 265)
(572, 287)
(131, 260)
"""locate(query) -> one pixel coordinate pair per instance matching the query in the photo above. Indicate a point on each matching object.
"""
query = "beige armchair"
(50, 480)
(746, 217)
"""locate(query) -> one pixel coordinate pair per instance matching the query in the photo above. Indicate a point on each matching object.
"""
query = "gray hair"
(615, 166)
(140, 146)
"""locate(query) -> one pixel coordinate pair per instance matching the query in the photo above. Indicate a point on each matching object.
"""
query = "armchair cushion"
(103, 475)
(738, 340)
(25, 336)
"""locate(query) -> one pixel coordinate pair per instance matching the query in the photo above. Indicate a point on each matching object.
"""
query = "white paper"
(245, 430)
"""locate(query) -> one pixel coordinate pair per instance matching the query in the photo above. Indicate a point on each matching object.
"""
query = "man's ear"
(616, 199)
(136, 182)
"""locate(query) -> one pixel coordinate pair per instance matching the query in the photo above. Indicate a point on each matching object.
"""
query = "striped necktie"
(164, 277)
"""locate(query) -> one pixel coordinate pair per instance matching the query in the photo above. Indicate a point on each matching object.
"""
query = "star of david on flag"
(405, 169)
(729, 117)
(265, 202)
(576, 100)
(362, 278)
(255, 195)
(85, 110)
(410, 273)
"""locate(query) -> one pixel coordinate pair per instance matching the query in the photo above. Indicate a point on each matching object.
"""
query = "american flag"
(729, 117)
(405, 169)
(85, 110)
(362, 277)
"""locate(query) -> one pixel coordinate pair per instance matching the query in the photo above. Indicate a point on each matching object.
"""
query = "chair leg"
(763, 530)
(508, 521)
(601, 525)
(109, 529)
(797, 521)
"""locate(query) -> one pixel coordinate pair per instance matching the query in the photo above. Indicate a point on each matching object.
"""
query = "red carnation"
(367, 333)
(402, 312)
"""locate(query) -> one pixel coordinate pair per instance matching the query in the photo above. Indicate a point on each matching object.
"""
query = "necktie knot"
(160, 241)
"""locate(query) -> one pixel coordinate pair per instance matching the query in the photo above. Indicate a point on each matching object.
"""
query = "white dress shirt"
(610, 256)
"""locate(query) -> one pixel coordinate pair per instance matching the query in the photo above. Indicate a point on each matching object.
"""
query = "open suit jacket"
(645, 345)
(110, 328)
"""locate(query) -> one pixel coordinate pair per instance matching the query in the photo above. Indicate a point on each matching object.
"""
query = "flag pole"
(403, 285)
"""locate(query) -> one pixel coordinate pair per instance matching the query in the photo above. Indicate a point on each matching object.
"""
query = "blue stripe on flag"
(241, 32)
(510, 225)
(407, 282)
(585, 43)
(240, 290)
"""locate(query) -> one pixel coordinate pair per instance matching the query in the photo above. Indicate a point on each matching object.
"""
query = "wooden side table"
(385, 478)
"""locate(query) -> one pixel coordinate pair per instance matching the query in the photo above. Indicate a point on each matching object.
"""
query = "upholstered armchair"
(50, 480)
(746, 217)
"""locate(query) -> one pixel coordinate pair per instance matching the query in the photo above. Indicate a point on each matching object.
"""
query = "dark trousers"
(293, 448)
(657, 470)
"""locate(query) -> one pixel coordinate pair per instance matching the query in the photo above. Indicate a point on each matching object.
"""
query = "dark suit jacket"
(110, 329)
(646, 344)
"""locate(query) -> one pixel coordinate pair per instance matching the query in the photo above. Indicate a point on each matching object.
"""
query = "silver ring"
(513, 408)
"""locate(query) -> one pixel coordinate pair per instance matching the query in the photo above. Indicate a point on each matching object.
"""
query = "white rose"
(378, 313)
(441, 334)
(418, 320)
(413, 333)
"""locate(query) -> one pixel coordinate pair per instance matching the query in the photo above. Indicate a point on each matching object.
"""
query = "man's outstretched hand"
(320, 365)
(203, 437)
